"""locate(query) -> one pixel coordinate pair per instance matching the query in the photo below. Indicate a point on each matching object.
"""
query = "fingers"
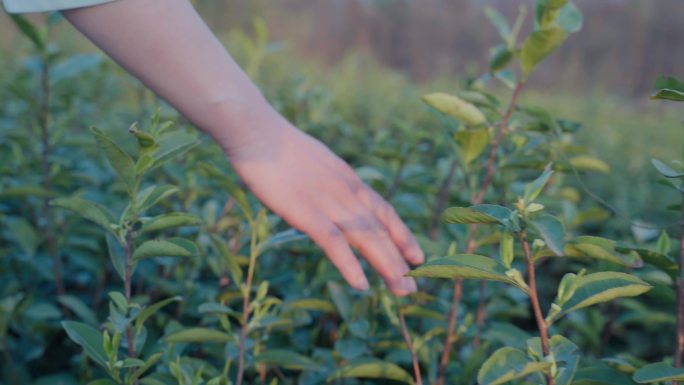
(335, 246)
(398, 231)
(370, 237)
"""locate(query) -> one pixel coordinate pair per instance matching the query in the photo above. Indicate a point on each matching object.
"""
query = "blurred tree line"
(624, 45)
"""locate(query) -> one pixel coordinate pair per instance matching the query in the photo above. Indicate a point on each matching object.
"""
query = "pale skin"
(166, 45)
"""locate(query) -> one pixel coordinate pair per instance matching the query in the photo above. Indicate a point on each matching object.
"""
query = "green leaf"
(668, 94)
(507, 364)
(595, 288)
(601, 375)
(669, 82)
(658, 372)
(506, 248)
(152, 195)
(79, 308)
(486, 214)
(30, 31)
(499, 22)
(174, 247)
(552, 232)
(499, 57)
(534, 188)
(663, 262)
(121, 162)
(538, 46)
(456, 107)
(313, 304)
(119, 300)
(663, 245)
(472, 143)
(286, 359)
(375, 369)
(151, 310)
(665, 170)
(198, 335)
(570, 18)
(230, 260)
(464, 266)
(589, 163)
(172, 145)
(167, 221)
(598, 248)
(151, 361)
(88, 210)
(565, 354)
(340, 299)
(89, 338)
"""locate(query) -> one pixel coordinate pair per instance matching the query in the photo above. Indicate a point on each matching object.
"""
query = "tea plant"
(127, 250)
(668, 260)
(193, 283)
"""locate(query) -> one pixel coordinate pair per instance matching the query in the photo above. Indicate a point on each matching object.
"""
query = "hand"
(315, 191)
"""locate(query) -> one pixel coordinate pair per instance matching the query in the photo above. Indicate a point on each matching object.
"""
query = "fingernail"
(404, 286)
(362, 284)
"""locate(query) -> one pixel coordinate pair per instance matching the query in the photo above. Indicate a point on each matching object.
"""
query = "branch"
(409, 344)
(534, 298)
(471, 245)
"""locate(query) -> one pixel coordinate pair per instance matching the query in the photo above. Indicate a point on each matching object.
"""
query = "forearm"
(166, 45)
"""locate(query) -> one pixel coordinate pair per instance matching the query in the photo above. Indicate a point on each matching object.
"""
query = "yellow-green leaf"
(539, 45)
(456, 107)
(508, 364)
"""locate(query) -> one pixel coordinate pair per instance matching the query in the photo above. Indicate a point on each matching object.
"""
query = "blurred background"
(382, 55)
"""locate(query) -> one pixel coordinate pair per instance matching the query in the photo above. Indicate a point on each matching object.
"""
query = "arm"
(166, 45)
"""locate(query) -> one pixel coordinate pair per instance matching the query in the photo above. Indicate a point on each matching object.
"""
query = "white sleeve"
(26, 6)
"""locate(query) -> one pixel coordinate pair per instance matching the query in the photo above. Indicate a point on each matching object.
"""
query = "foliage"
(157, 267)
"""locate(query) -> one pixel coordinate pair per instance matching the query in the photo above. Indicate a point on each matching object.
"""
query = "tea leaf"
(472, 143)
(198, 335)
(150, 311)
(507, 364)
(29, 30)
(665, 170)
(88, 210)
(373, 369)
(552, 232)
(314, 304)
(602, 287)
(464, 266)
(456, 107)
(534, 188)
(174, 247)
(167, 221)
(658, 372)
(79, 308)
(499, 22)
(121, 162)
(88, 338)
(485, 213)
(539, 45)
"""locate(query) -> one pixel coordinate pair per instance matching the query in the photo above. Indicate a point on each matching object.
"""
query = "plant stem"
(471, 245)
(481, 313)
(679, 348)
(49, 225)
(534, 298)
(245, 303)
(409, 344)
(128, 275)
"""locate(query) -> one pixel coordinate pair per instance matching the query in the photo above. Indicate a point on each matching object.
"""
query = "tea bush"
(139, 258)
